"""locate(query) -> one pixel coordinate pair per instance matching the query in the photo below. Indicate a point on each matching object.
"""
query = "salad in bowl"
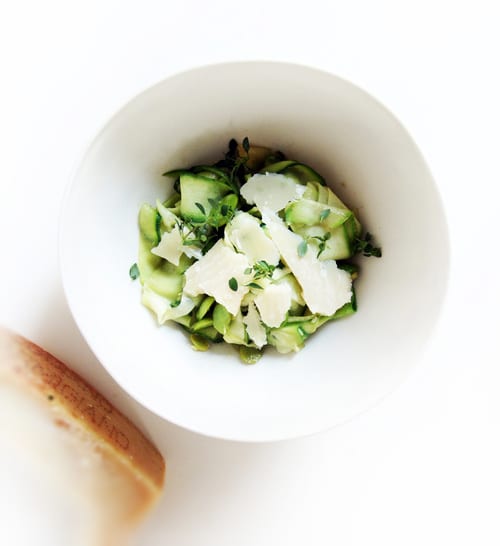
(254, 251)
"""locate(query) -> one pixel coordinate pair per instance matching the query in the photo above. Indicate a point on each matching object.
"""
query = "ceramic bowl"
(365, 154)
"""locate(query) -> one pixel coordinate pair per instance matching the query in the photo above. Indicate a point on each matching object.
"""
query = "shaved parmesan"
(325, 287)
(212, 274)
(247, 236)
(162, 307)
(273, 303)
(255, 329)
(272, 191)
(168, 218)
(170, 246)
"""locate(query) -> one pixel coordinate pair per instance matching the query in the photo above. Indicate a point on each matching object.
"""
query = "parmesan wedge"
(97, 472)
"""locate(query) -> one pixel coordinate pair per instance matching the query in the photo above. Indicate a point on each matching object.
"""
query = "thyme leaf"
(302, 248)
(324, 214)
(134, 272)
(202, 208)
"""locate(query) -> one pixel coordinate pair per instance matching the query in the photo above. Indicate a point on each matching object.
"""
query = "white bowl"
(371, 161)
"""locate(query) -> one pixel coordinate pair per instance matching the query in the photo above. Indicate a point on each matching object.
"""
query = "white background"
(421, 468)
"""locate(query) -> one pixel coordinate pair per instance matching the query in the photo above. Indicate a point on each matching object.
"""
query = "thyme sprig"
(365, 246)
(263, 270)
(235, 165)
(204, 235)
(302, 247)
(322, 242)
(260, 270)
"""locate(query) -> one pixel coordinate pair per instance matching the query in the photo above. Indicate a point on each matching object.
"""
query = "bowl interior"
(370, 161)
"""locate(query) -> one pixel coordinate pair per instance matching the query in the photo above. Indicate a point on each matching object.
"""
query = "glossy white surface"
(420, 468)
(359, 148)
